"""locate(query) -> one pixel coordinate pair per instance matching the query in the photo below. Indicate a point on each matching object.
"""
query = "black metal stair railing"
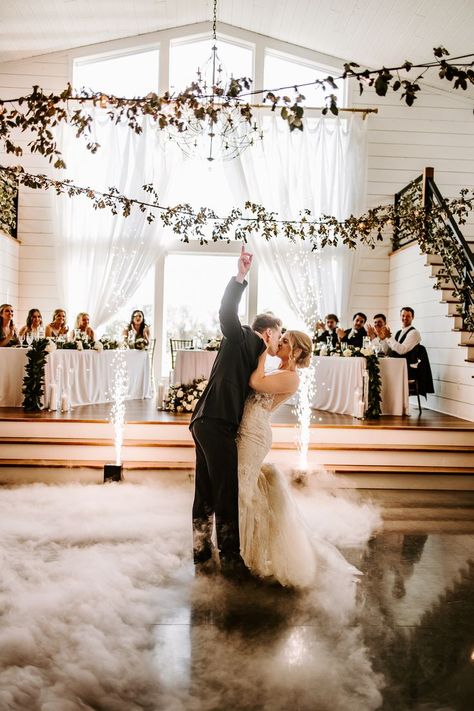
(440, 236)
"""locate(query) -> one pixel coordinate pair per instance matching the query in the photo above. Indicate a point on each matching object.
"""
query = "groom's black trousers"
(216, 489)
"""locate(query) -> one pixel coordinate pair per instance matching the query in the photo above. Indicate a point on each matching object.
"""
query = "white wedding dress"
(275, 543)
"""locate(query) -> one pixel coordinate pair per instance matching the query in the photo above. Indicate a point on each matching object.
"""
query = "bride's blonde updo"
(301, 347)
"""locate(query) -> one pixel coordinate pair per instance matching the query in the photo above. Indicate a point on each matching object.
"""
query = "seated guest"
(354, 336)
(58, 326)
(82, 325)
(406, 339)
(8, 332)
(137, 328)
(376, 333)
(327, 329)
(34, 321)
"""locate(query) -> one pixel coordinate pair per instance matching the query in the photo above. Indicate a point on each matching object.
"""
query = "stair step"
(433, 259)
(448, 296)
(452, 307)
(437, 269)
(467, 338)
(444, 283)
(458, 321)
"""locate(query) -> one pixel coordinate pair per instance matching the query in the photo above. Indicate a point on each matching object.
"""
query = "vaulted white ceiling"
(371, 32)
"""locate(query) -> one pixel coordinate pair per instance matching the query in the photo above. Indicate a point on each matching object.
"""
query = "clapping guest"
(58, 326)
(378, 333)
(327, 329)
(137, 328)
(407, 338)
(354, 336)
(82, 325)
(34, 321)
(8, 332)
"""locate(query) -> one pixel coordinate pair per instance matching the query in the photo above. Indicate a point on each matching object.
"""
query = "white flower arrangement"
(213, 344)
(51, 346)
(184, 398)
(98, 346)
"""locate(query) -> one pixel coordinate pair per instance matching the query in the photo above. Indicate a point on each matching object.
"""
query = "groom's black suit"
(214, 427)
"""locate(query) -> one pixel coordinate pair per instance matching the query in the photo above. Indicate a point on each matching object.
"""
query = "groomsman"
(327, 329)
(377, 333)
(354, 336)
(406, 338)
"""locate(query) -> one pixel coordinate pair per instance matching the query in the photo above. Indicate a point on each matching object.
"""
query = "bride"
(274, 541)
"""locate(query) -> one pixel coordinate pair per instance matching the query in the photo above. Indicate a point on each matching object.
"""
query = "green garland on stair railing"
(33, 382)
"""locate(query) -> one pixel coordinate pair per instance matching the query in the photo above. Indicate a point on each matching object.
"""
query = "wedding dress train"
(275, 543)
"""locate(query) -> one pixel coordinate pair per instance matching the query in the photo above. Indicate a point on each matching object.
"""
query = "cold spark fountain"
(113, 472)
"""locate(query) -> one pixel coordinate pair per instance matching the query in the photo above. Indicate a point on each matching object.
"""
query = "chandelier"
(222, 131)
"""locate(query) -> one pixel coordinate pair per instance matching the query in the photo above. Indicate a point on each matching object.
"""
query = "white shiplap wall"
(35, 285)
(9, 270)
(438, 131)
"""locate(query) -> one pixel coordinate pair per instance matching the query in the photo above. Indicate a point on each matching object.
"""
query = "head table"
(336, 380)
(88, 375)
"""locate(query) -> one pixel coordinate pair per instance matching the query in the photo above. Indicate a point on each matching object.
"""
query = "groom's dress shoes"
(234, 569)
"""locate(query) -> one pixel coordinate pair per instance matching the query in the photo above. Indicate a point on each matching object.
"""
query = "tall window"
(187, 57)
(283, 70)
(193, 288)
(125, 75)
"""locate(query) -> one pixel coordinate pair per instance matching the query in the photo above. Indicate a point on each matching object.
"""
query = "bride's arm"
(282, 381)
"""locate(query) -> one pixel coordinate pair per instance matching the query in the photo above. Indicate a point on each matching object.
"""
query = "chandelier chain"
(214, 21)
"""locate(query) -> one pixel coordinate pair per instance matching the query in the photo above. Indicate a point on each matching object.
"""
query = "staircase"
(449, 281)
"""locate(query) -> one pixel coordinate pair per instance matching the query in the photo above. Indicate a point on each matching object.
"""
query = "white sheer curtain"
(100, 257)
(322, 168)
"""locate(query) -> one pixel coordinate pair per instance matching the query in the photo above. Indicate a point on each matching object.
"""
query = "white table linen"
(90, 374)
(336, 380)
(12, 372)
(191, 365)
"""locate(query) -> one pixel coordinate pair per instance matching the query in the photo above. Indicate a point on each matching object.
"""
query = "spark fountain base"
(113, 472)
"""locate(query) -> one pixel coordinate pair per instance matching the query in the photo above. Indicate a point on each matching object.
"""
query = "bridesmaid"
(58, 326)
(137, 327)
(34, 321)
(82, 325)
(8, 332)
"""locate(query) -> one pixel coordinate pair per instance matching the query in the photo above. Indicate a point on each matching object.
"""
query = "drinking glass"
(29, 338)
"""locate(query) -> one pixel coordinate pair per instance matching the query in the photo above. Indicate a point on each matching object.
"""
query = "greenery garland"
(374, 409)
(33, 381)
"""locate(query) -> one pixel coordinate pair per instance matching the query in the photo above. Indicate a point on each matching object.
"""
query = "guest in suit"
(58, 326)
(406, 338)
(354, 336)
(137, 328)
(8, 332)
(327, 329)
(377, 333)
(34, 321)
(82, 325)
(214, 427)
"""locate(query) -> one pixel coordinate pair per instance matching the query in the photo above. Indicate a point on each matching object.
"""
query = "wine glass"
(29, 338)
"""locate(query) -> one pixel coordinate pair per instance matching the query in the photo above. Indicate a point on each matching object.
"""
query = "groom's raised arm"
(228, 312)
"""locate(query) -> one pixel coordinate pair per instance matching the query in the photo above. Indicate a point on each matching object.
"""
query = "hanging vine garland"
(38, 113)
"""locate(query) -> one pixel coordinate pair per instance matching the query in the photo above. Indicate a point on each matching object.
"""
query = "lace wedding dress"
(274, 540)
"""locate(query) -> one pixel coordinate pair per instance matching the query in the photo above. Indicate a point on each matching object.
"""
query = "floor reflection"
(408, 642)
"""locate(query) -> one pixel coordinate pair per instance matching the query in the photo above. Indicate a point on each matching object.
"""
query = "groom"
(215, 422)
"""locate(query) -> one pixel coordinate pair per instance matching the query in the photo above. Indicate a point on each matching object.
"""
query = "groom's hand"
(244, 264)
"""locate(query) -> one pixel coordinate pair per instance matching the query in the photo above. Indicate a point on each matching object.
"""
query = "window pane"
(271, 299)
(281, 70)
(126, 75)
(194, 285)
(186, 58)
